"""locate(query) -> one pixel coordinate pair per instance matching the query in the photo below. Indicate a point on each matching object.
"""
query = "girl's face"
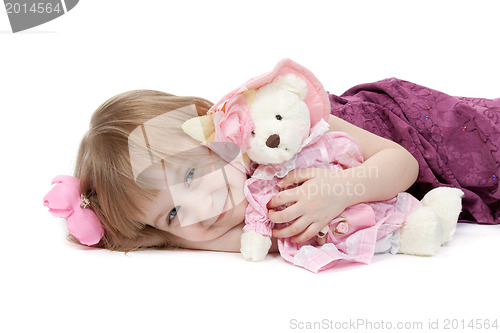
(199, 203)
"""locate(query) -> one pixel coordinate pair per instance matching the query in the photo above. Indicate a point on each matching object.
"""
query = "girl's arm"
(388, 169)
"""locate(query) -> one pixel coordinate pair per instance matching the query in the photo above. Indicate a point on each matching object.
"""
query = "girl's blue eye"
(172, 214)
(189, 176)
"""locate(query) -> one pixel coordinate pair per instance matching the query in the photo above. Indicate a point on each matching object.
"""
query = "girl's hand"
(319, 197)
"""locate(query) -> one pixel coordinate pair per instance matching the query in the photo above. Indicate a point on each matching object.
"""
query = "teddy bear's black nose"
(273, 141)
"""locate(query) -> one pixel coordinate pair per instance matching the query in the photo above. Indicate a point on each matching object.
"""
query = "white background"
(53, 76)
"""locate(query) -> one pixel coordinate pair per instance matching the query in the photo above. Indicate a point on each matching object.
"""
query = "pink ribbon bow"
(65, 200)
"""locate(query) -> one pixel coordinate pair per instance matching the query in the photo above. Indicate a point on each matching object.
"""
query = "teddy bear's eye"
(278, 117)
(253, 132)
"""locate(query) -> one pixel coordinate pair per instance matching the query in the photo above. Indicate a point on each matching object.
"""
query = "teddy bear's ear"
(294, 84)
(200, 128)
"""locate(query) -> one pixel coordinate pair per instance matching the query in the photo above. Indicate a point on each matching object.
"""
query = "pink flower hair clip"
(66, 200)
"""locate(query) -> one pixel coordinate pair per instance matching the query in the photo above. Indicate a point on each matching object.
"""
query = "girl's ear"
(200, 128)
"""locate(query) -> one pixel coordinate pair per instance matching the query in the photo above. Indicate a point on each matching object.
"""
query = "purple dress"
(455, 139)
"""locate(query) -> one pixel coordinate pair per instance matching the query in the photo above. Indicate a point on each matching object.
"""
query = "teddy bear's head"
(267, 118)
(281, 120)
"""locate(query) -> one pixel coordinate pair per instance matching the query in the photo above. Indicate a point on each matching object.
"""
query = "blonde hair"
(104, 167)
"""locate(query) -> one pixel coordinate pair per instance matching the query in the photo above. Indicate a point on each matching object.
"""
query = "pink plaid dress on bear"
(356, 234)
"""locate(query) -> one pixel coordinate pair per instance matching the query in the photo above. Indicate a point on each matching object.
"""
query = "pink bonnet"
(316, 99)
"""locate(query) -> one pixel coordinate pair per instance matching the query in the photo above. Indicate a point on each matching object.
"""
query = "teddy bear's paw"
(254, 246)
(421, 233)
(447, 204)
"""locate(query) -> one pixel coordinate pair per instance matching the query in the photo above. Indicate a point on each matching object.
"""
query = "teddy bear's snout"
(273, 141)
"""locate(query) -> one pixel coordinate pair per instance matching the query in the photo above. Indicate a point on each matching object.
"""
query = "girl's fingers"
(311, 231)
(297, 176)
(284, 197)
(286, 215)
(293, 229)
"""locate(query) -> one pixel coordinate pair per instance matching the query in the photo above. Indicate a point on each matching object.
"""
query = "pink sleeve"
(258, 193)
(342, 149)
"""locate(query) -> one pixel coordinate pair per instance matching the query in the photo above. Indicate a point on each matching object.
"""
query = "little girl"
(163, 189)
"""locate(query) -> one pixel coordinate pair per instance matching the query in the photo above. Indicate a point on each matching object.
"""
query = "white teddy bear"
(277, 119)
(281, 130)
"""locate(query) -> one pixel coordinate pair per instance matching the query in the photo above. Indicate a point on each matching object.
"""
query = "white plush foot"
(447, 204)
(421, 233)
(254, 246)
